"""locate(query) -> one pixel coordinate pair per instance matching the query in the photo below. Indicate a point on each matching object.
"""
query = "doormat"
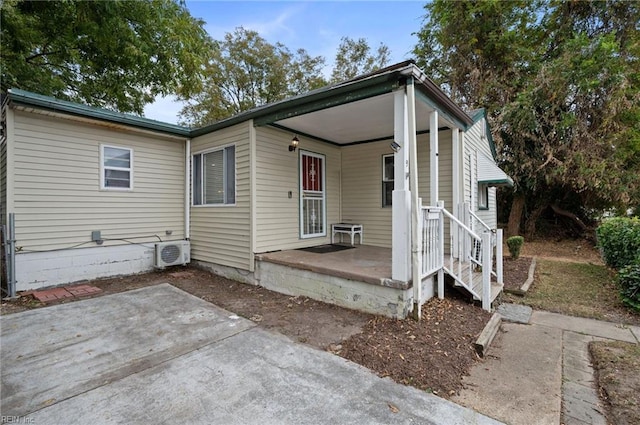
(325, 249)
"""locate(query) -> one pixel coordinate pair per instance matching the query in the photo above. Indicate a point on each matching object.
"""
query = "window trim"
(103, 168)
(483, 189)
(387, 180)
(235, 176)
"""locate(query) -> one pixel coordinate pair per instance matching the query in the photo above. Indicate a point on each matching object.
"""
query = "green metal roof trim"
(478, 114)
(22, 97)
(373, 84)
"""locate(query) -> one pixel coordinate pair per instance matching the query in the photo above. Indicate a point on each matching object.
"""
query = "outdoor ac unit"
(172, 253)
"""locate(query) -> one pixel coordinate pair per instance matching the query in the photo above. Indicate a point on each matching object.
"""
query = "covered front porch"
(371, 151)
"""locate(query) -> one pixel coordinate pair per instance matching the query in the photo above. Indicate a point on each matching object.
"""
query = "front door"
(312, 195)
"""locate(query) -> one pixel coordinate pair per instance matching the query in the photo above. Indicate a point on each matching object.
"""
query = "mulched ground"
(515, 272)
(433, 354)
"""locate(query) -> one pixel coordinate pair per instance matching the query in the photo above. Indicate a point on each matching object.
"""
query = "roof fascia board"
(439, 99)
(427, 100)
(21, 97)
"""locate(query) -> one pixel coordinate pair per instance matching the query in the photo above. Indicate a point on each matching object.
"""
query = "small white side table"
(346, 228)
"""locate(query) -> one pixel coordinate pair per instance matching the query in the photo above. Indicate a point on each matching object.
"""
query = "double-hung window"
(387, 180)
(116, 168)
(214, 177)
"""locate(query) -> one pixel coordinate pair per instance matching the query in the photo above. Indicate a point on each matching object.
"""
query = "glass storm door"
(312, 195)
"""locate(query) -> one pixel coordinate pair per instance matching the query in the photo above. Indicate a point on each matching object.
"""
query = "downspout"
(187, 189)
(416, 243)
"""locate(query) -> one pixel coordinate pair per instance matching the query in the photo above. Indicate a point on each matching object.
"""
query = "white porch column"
(455, 179)
(433, 155)
(416, 207)
(401, 197)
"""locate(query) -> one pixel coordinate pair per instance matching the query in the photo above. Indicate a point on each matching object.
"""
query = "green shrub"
(515, 244)
(629, 280)
(619, 241)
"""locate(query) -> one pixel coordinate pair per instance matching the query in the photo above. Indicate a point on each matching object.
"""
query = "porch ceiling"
(359, 121)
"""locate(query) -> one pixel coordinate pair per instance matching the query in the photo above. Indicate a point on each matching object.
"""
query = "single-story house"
(385, 162)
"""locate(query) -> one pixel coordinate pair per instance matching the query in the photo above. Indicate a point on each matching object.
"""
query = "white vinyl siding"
(57, 197)
(221, 234)
(278, 190)
(445, 166)
(473, 143)
(361, 192)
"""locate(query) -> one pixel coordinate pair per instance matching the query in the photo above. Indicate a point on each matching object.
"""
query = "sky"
(316, 26)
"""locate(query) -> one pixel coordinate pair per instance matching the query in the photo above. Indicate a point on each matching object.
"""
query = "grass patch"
(576, 289)
(617, 364)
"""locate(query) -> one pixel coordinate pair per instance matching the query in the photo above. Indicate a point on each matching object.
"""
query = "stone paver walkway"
(580, 402)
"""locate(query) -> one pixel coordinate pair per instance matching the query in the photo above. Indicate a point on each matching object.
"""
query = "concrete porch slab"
(363, 263)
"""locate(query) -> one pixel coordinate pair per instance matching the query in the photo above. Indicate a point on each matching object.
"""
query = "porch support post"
(416, 205)
(433, 155)
(499, 256)
(455, 180)
(487, 262)
(401, 196)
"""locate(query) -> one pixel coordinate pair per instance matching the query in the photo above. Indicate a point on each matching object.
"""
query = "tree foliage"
(354, 57)
(245, 71)
(560, 81)
(114, 54)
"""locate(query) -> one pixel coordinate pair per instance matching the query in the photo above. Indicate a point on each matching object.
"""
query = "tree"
(115, 54)
(560, 81)
(354, 57)
(245, 71)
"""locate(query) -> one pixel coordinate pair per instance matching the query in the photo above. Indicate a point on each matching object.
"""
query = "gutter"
(24, 98)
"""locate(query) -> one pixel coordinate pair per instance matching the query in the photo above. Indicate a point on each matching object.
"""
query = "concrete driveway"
(159, 355)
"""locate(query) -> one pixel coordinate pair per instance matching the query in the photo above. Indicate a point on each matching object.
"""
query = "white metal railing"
(496, 242)
(468, 250)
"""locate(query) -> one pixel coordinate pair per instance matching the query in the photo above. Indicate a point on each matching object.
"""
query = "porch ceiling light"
(294, 143)
(395, 146)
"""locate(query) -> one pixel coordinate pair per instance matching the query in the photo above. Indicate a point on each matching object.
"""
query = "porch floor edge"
(364, 263)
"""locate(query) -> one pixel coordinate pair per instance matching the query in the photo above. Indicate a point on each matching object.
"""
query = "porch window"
(116, 165)
(483, 196)
(387, 180)
(214, 177)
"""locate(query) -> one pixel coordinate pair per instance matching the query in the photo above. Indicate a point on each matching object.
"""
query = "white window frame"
(224, 175)
(324, 194)
(387, 179)
(104, 168)
(483, 196)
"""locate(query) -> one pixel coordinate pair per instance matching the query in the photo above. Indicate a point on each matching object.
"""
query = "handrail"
(479, 220)
(461, 224)
(467, 250)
